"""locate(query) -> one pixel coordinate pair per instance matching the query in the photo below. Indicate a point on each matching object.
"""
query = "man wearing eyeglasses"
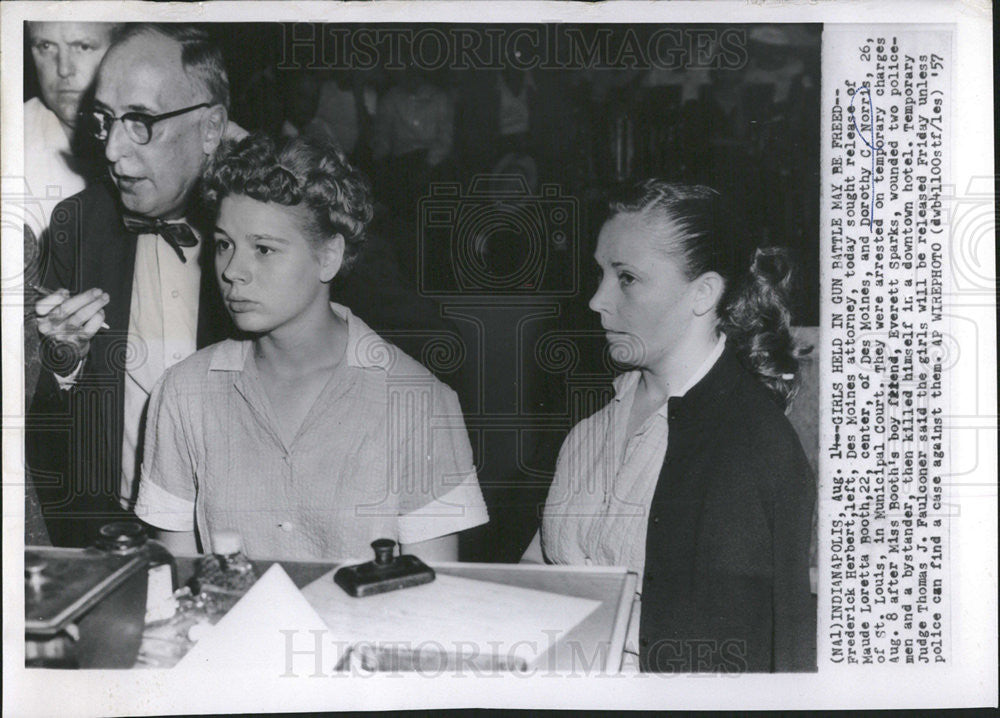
(125, 260)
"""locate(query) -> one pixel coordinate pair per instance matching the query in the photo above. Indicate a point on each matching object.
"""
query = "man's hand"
(71, 320)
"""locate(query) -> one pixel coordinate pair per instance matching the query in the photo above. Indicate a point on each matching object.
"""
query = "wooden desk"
(595, 645)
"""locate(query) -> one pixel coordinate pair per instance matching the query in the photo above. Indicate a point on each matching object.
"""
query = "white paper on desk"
(457, 615)
(254, 635)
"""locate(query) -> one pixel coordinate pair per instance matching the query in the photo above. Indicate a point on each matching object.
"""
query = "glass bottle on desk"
(129, 537)
(225, 574)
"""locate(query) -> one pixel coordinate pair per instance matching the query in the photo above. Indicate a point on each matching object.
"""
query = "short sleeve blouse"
(382, 453)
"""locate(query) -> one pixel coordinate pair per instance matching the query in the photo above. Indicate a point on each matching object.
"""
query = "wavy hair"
(296, 172)
(753, 309)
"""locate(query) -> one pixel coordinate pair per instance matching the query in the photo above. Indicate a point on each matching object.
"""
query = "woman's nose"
(234, 268)
(598, 302)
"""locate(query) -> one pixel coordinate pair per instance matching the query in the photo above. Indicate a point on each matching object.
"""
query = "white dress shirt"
(50, 169)
(162, 330)
(515, 114)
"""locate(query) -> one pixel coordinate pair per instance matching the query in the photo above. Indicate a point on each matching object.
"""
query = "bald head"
(152, 70)
(145, 72)
(201, 59)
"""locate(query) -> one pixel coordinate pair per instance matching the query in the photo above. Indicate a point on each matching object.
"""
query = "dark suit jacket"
(74, 438)
(726, 583)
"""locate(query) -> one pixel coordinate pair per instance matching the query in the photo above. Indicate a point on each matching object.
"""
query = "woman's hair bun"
(774, 266)
(754, 308)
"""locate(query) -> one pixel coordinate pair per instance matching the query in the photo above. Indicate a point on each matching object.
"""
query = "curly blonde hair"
(296, 172)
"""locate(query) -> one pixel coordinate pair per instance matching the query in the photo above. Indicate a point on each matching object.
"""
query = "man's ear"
(213, 128)
(331, 257)
(708, 290)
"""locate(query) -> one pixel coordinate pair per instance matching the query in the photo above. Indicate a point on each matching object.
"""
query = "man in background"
(66, 56)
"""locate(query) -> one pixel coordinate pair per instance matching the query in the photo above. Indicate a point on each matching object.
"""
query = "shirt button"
(656, 519)
(177, 355)
(175, 294)
(286, 526)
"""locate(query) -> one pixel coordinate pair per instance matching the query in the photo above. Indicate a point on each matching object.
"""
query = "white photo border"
(970, 679)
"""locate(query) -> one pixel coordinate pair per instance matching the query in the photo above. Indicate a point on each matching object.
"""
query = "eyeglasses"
(138, 125)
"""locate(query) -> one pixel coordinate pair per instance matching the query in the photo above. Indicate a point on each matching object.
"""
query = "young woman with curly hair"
(691, 475)
(310, 436)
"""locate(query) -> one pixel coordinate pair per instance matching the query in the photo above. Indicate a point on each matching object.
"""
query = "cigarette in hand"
(45, 291)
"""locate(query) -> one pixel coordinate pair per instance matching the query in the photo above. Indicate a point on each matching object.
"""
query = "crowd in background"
(750, 131)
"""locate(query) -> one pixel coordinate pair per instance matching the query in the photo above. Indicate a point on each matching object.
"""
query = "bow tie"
(176, 234)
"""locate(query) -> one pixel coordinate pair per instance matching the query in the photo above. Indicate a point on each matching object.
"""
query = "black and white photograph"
(357, 358)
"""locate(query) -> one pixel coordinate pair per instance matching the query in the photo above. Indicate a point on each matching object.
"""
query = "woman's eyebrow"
(270, 237)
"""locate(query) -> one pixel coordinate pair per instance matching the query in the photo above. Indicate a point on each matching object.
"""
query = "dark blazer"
(726, 583)
(74, 438)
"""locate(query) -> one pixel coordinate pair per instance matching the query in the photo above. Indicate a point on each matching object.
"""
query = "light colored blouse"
(597, 509)
(383, 452)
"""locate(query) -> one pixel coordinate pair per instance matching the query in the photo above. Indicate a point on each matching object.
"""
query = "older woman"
(692, 476)
(311, 436)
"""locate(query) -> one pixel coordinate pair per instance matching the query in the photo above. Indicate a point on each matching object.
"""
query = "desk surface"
(595, 645)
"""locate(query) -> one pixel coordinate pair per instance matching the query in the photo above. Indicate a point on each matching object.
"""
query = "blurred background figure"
(255, 107)
(347, 104)
(414, 130)
(497, 120)
(415, 116)
(301, 104)
(65, 56)
(516, 92)
(515, 95)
